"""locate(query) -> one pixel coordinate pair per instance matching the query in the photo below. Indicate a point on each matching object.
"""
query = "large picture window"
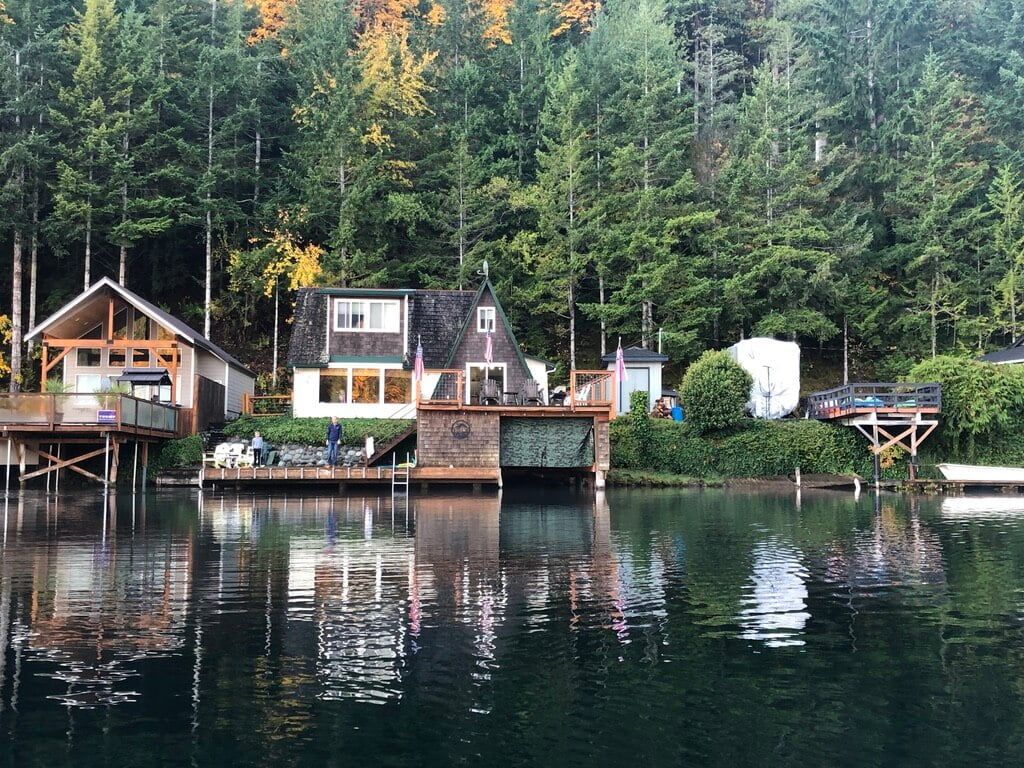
(397, 386)
(368, 316)
(365, 385)
(334, 386)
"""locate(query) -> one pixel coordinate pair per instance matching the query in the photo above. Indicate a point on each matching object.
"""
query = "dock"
(213, 477)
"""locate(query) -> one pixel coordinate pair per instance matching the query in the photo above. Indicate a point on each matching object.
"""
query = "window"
(115, 357)
(121, 324)
(88, 382)
(90, 357)
(140, 328)
(485, 319)
(397, 386)
(140, 358)
(334, 386)
(371, 316)
(365, 385)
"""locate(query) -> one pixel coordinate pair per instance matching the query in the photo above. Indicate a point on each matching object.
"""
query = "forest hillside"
(846, 173)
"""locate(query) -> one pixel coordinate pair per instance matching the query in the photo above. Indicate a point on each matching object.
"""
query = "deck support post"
(145, 463)
(106, 461)
(7, 485)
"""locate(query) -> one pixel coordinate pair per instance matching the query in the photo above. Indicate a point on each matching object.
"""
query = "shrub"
(640, 420)
(714, 392)
(981, 402)
(183, 452)
(755, 448)
(277, 430)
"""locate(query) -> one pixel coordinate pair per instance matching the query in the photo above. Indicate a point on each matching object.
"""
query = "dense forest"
(847, 173)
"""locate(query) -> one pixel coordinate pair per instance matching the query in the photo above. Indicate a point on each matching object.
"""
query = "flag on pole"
(417, 370)
(489, 348)
(620, 365)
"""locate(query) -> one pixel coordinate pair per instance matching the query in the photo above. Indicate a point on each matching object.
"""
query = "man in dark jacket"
(333, 440)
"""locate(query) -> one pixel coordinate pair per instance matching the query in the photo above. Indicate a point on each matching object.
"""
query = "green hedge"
(714, 392)
(277, 430)
(184, 452)
(755, 448)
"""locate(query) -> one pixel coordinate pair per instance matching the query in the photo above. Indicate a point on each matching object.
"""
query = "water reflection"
(487, 624)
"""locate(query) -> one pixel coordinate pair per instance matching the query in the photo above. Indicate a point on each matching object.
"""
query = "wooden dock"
(343, 476)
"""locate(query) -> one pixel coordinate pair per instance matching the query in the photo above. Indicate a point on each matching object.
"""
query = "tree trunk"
(122, 268)
(935, 313)
(33, 272)
(16, 322)
(208, 281)
(88, 232)
(277, 315)
(846, 350)
(259, 144)
(604, 324)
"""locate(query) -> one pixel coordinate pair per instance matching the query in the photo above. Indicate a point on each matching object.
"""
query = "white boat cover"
(775, 368)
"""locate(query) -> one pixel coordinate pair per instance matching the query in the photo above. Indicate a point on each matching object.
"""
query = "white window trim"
(492, 366)
(482, 319)
(396, 304)
(348, 368)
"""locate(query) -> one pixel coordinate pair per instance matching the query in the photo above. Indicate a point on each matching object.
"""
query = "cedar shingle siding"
(436, 317)
(309, 335)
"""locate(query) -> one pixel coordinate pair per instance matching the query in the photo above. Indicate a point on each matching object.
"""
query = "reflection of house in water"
(97, 603)
(775, 604)
(892, 551)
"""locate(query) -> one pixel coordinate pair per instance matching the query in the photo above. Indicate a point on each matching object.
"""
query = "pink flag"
(489, 349)
(417, 371)
(620, 365)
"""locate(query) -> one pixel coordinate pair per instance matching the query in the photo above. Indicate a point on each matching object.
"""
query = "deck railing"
(880, 397)
(85, 409)
(442, 386)
(591, 388)
(266, 405)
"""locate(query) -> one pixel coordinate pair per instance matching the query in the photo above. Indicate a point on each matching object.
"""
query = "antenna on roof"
(485, 270)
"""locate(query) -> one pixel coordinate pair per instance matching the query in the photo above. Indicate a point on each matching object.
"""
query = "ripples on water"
(659, 627)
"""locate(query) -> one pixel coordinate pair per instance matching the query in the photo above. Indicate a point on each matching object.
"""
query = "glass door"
(475, 374)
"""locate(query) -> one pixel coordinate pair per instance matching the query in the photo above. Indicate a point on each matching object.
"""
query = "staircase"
(378, 459)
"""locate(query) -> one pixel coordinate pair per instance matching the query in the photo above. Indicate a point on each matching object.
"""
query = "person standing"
(333, 440)
(258, 450)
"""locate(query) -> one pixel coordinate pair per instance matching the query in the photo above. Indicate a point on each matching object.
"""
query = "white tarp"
(775, 368)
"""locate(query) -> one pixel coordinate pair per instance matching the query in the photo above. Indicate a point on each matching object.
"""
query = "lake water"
(641, 628)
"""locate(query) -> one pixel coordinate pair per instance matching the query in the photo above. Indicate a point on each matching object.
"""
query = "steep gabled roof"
(486, 286)
(437, 317)
(163, 318)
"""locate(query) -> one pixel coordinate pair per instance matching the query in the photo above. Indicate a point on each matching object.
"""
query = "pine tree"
(1006, 203)
(935, 201)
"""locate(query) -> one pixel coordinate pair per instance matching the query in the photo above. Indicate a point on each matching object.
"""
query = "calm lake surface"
(641, 628)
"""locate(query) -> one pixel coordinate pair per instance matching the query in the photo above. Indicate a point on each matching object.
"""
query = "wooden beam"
(115, 343)
(57, 359)
(110, 319)
(66, 464)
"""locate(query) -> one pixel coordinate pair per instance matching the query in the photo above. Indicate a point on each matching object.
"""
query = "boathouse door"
(537, 442)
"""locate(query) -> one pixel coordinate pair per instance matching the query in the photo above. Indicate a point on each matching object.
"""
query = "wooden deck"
(68, 416)
(213, 476)
(881, 401)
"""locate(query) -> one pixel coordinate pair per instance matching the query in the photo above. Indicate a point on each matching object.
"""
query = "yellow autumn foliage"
(273, 18)
(496, 15)
(300, 264)
(5, 331)
(574, 14)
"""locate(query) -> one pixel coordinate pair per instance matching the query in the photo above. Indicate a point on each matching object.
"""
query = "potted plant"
(57, 386)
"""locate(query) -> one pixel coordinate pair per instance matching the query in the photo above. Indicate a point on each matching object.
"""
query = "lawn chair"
(531, 393)
(490, 392)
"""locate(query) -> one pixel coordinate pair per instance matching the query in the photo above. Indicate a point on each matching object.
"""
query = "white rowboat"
(975, 473)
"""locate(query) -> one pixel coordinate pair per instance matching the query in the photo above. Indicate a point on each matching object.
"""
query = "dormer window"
(485, 319)
(366, 316)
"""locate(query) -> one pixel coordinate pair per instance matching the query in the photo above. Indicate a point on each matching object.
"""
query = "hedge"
(277, 430)
(755, 448)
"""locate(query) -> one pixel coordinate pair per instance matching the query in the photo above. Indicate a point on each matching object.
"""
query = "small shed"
(1013, 354)
(643, 373)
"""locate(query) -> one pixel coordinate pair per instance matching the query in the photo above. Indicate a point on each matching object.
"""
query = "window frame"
(366, 314)
(485, 315)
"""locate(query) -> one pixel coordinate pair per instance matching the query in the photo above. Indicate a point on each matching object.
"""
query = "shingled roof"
(437, 317)
(308, 346)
